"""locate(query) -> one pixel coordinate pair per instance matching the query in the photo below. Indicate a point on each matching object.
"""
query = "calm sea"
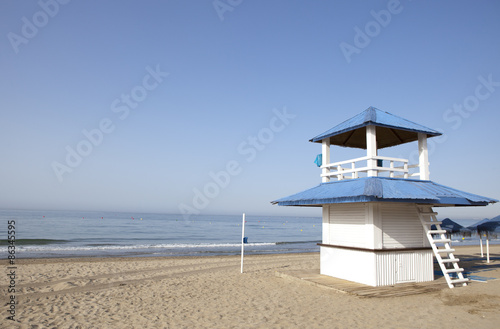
(77, 233)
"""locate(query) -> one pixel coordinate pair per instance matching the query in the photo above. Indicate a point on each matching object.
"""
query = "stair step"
(436, 232)
(432, 223)
(441, 240)
(459, 280)
(445, 250)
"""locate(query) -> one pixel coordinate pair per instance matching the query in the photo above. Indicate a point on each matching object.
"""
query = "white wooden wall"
(377, 268)
(401, 227)
(353, 265)
(326, 224)
(347, 225)
(374, 225)
(400, 267)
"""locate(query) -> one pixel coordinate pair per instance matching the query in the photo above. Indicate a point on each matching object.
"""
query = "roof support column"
(374, 223)
(325, 151)
(371, 149)
(423, 156)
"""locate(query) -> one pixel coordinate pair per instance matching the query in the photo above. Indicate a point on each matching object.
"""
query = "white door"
(405, 268)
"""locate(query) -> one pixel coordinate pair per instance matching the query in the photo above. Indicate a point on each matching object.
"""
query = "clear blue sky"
(171, 91)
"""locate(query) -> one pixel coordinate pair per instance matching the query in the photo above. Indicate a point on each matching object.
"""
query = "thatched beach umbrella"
(452, 226)
(473, 228)
(487, 228)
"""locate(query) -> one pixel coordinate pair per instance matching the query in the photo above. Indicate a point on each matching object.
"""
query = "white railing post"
(371, 149)
(341, 169)
(325, 151)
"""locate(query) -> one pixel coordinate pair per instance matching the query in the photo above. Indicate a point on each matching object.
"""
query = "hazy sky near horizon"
(163, 106)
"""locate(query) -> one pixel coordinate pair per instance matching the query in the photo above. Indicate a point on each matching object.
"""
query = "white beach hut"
(379, 227)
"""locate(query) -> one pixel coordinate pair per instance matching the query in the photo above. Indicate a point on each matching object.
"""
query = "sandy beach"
(210, 292)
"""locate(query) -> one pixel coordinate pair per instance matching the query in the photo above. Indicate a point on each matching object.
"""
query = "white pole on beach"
(481, 244)
(487, 247)
(242, 240)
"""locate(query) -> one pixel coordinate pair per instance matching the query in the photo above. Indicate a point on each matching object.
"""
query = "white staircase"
(443, 253)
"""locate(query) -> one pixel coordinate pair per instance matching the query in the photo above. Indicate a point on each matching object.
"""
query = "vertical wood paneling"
(424, 266)
(386, 273)
(400, 267)
(405, 267)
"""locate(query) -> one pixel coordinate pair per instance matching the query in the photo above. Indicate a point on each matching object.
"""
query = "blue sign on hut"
(377, 210)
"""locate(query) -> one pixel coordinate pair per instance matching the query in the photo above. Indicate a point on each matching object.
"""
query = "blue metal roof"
(370, 189)
(393, 130)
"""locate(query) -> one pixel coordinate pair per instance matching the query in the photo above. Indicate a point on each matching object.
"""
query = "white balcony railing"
(370, 166)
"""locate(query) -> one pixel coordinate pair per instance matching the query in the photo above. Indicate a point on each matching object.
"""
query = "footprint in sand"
(63, 285)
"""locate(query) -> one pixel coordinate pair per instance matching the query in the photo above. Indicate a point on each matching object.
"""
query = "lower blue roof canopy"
(380, 189)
